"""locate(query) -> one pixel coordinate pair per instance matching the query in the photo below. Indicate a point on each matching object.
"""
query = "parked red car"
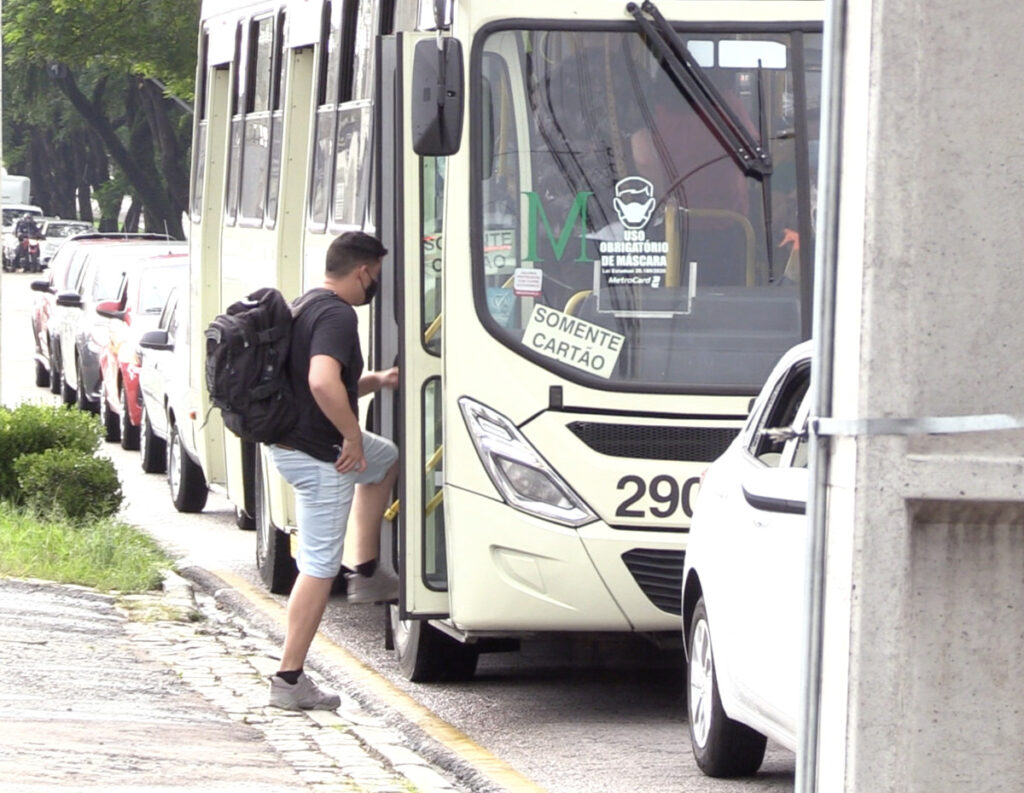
(136, 310)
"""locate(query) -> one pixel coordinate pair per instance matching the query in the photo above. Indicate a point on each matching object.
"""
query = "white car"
(166, 438)
(743, 581)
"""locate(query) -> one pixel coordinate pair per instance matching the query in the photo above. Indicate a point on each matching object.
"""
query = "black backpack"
(246, 366)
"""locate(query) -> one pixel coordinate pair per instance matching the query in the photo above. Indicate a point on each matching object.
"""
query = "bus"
(600, 218)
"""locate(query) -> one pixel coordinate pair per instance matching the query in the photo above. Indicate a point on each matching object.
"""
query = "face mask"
(370, 292)
(634, 216)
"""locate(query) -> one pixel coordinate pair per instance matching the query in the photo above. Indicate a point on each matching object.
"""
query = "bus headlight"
(522, 476)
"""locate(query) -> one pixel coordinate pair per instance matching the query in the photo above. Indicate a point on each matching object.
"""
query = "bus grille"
(659, 573)
(692, 444)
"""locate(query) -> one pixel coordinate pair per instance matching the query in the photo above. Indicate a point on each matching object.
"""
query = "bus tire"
(722, 747)
(426, 655)
(273, 546)
(185, 477)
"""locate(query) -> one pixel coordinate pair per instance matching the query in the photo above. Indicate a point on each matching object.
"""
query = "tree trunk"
(148, 190)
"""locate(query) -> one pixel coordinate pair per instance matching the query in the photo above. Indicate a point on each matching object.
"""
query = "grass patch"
(105, 553)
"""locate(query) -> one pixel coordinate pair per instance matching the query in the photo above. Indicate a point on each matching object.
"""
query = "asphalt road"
(573, 716)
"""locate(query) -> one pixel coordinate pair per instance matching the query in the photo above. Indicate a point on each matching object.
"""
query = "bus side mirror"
(437, 99)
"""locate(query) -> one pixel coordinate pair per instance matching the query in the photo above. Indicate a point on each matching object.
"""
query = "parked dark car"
(65, 268)
(81, 333)
(136, 310)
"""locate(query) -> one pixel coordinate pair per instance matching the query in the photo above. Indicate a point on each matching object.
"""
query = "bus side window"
(199, 145)
(329, 57)
(256, 123)
(237, 122)
(352, 166)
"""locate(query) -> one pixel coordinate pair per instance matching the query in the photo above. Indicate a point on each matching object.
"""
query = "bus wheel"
(426, 655)
(188, 484)
(273, 553)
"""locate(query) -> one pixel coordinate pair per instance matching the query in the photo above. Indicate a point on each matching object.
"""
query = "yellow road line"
(456, 741)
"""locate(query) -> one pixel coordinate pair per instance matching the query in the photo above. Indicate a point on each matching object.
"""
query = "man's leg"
(305, 610)
(368, 507)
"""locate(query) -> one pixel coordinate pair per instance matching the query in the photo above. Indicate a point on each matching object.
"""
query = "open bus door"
(408, 331)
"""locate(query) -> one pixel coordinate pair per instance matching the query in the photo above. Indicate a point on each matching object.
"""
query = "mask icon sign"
(634, 201)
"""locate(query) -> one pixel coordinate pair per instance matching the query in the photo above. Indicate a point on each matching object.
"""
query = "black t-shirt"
(325, 325)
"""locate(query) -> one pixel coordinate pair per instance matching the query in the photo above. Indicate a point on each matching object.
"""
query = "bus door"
(418, 236)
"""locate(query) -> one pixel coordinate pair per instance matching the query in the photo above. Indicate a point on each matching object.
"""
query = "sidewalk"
(165, 692)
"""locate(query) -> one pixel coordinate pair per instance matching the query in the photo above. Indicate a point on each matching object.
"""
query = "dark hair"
(352, 249)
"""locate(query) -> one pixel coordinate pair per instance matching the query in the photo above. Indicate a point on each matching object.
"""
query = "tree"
(109, 60)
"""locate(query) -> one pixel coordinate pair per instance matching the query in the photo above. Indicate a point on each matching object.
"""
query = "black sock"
(367, 569)
(291, 678)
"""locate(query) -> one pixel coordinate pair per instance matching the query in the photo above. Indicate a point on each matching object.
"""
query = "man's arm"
(375, 381)
(330, 396)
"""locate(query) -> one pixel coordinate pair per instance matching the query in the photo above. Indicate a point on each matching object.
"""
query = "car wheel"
(722, 747)
(425, 654)
(129, 432)
(273, 546)
(81, 398)
(42, 376)
(68, 395)
(111, 426)
(54, 372)
(188, 485)
(152, 449)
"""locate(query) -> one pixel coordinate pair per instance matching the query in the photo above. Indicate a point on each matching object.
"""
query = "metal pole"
(821, 393)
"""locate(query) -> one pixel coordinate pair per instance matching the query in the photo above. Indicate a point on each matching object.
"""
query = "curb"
(415, 757)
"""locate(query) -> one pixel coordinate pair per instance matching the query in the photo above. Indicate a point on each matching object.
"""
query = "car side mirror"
(69, 299)
(156, 340)
(437, 102)
(111, 309)
(40, 285)
(777, 489)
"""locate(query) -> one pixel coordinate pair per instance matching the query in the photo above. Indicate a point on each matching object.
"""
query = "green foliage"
(106, 553)
(69, 482)
(31, 428)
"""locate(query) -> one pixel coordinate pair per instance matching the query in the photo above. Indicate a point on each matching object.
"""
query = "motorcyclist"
(26, 227)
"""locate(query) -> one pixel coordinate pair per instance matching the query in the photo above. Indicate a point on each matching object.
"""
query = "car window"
(155, 284)
(167, 317)
(107, 279)
(74, 271)
(780, 412)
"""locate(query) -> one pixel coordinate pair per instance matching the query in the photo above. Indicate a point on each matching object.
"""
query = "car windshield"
(66, 229)
(13, 214)
(620, 239)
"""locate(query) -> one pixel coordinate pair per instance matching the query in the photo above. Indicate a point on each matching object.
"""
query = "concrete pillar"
(923, 668)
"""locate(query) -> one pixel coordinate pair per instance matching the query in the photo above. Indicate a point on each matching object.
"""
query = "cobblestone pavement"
(228, 661)
(139, 694)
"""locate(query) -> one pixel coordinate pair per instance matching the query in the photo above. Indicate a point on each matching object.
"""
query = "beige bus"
(601, 223)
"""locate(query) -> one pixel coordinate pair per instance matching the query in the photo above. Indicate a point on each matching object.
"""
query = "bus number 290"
(666, 493)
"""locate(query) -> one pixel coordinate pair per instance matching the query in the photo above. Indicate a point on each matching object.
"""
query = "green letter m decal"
(577, 213)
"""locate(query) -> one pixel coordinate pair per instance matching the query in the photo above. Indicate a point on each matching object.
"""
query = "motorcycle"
(27, 255)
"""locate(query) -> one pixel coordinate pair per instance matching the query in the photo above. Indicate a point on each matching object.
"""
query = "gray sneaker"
(381, 587)
(304, 695)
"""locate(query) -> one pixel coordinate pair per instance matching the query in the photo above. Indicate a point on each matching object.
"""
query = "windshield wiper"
(748, 153)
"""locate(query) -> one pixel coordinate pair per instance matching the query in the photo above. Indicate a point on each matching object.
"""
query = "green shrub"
(69, 482)
(31, 428)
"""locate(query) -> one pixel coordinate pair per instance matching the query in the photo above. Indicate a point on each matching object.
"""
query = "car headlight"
(525, 479)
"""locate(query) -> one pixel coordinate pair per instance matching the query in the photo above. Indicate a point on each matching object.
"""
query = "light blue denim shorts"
(323, 499)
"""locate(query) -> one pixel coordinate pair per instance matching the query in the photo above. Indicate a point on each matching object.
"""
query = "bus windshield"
(620, 242)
